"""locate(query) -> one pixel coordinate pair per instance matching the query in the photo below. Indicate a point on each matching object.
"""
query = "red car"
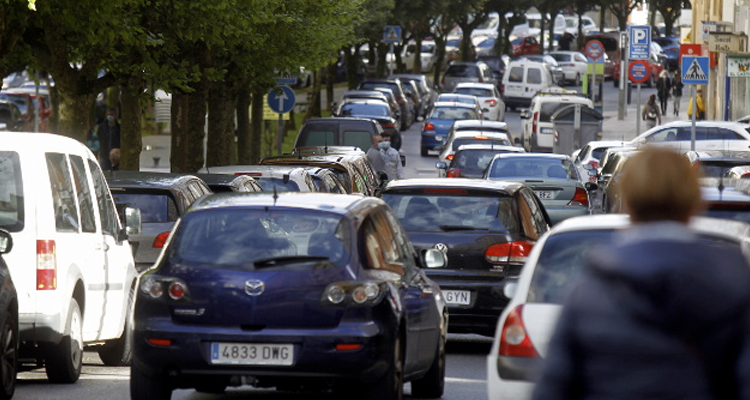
(525, 45)
(654, 66)
(26, 99)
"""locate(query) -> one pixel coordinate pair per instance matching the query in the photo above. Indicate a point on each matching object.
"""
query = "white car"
(574, 65)
(528, 321)
(464, 137)
(537, 129)
(709, 135)
(591, 154)
(493, 106)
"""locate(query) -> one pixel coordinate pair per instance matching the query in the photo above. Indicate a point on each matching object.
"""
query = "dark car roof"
(156, 180)
(336, 203)
(227, 180)
(457, 183)
(338, 120)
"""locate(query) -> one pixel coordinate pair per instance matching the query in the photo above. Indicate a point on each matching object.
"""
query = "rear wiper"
(275, 261)
(460, 228)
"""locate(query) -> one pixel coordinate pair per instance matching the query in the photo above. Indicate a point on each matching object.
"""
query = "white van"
(537, 129)
(523, 78)
(71, 262)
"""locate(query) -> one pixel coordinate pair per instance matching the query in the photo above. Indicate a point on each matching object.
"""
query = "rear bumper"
(502, 389)
(517, 101)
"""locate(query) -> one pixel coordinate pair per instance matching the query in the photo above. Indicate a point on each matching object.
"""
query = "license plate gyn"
(252, 353)
(457, 297)
(543, 194)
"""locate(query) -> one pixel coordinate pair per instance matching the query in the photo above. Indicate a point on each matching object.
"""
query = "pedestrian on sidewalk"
(392, 159)
(677, 86)
(663, 89)
(375, 156)
(651, 113)
(701, 114)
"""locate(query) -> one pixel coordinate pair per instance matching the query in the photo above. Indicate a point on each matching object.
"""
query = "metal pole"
(393, 61)
(639, 114)
(694, 99)
(622, 109)
(280, 135)
(38, 105)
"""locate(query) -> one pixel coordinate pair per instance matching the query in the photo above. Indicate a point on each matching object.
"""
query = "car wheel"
(423, 152)
(432, 385)
(64, 360)
(9, 359)
(143, 386)
(391, 385)
(578, 80)
(117, 352)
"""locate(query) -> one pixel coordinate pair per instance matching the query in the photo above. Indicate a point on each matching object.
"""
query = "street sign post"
(595, 51)
(694, 72)
(640, 42)
(392, 35)
(281, 103)
(638, 73)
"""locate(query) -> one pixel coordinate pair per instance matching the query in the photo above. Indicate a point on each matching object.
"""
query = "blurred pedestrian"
(651, 113)
(677, 86)
(391, 158)
(701, 114)
(109, 137)
(663, 89)
(565, 41)
(374, 154)
(659, 313)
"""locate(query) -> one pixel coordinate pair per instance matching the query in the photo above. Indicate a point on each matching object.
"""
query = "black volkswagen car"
(487, 230)
(290, 290)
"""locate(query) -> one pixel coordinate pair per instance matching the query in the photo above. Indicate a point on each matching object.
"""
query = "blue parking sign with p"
(639, 43)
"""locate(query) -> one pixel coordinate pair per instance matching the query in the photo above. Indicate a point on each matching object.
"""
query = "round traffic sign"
(638, 71)
(282, 102)
(594, 49)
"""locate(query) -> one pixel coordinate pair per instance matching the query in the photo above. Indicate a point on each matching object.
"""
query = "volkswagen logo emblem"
(255, 287)
(441, 247)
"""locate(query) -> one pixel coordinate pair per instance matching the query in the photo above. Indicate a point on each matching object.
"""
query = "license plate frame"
(251, 354)
(457, 297)
(544, 194)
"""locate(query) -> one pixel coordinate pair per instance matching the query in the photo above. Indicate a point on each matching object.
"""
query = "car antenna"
(275, 195)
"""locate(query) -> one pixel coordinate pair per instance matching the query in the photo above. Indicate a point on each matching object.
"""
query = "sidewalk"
(614, 129)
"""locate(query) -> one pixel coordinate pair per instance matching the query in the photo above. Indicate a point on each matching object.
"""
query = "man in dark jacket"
(661, 314)
(109, 137)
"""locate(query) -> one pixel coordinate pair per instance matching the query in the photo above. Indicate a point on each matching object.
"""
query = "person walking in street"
(392, 159)
(663, 89)
(677, 86)
(651, 113)
(109, 137)
(374, 154)
(658, 312)
(701, 114)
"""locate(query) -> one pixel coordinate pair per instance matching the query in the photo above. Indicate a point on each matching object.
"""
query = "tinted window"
(515, 74)
(472, 162)
(155, 206)
(268, 184)
(539, 167)
(353, 109)
(11, 192)
(453, 113)
(104, 201)
(548, 109)
(250, 240)
(534, 75)
(361, 139)
(83, 191)
(473, 140)
(463, 71)
(561, 57)
(318, 138)
(63, 200)
(445, 212)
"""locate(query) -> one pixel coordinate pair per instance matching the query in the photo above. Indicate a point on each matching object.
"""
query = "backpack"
(651, 113)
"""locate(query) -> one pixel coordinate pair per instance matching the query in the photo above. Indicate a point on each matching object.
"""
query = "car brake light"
(160, 240)
(594, 164)
(46, 265)
(581, 198)
(514, 340)
(386, 124)
(514, 252)
(160, 342)
(177, 290)
(492, 102)
(453, 173)
(449, 157)
(429, 127)
(534, 121)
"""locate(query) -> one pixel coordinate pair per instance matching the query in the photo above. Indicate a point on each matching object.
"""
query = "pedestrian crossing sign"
(392, 34)
(695, 70)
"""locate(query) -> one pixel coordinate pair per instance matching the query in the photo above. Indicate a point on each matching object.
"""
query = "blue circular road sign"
(282, 102)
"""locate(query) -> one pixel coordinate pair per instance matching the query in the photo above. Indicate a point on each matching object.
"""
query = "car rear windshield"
(249, 239)
(453, 113)
(268, 184)
(548, 109)
(454, 210)
(472, 162)
(538, 167)
(463, 71)
(11, 192)
(479, 140)
(364, 109)
(479, 92)
(155, 206)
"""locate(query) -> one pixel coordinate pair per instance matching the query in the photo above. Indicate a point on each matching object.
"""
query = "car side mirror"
(441, 165)
(524, 114)
(133, 222)
(6, 241)
(432, 258)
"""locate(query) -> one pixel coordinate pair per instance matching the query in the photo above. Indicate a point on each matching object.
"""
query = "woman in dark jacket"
(661, 314)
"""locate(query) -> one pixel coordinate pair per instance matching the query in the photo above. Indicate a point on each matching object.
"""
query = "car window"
(478, 140)
(83, 193)
(382, 253)
(453, 113)
(538, 224)
(549, 108)
(462, 71)
(723, 134)
(561, 56)
(11, 192)
(538, 167)
(580, 58)
(515, 74)
(241, 239)
(668, 134)
(364, 109)
(472, 161)
(534, 75)
(63, 198)
(269, 184)
(318, 138)
(448, 212)
(480, 92)
(107, 212)
(361, 139)
(157, 206)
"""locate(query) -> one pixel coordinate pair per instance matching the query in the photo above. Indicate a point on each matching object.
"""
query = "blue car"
(440, 121)
(293, 291)
(671, 46)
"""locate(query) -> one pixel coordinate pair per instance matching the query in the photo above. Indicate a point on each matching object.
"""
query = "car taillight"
(581, 198)
(177, 290)
(154, 287)
(534, 121)
(514, 340)
(514, 252)
(349, 294)
(46, 265)
(428, 127)
(160, 240)
(386, 124)
(399, 99)
(594, 164)
(453, 173)
(449, 157)
(491, 102)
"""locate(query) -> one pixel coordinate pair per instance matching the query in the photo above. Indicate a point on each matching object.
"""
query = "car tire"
(578, 80)
(391, 385)
(143, 386)
(9, 359)
(432, 385)
(118, 352)
(424, 152)
(65, 359)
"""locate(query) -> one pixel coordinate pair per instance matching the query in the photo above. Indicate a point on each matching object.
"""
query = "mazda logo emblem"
(254, 287)
(442, 247)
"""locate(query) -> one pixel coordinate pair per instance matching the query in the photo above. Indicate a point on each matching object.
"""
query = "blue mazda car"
(293, 291)
(440, 121)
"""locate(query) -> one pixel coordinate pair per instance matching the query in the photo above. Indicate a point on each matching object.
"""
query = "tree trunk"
(74, 110)
(256, 128)
(243, 126)
(131, 117)
(188, 124)
(313, 107)
(221, 146)
(352, 67)
(331, 71)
